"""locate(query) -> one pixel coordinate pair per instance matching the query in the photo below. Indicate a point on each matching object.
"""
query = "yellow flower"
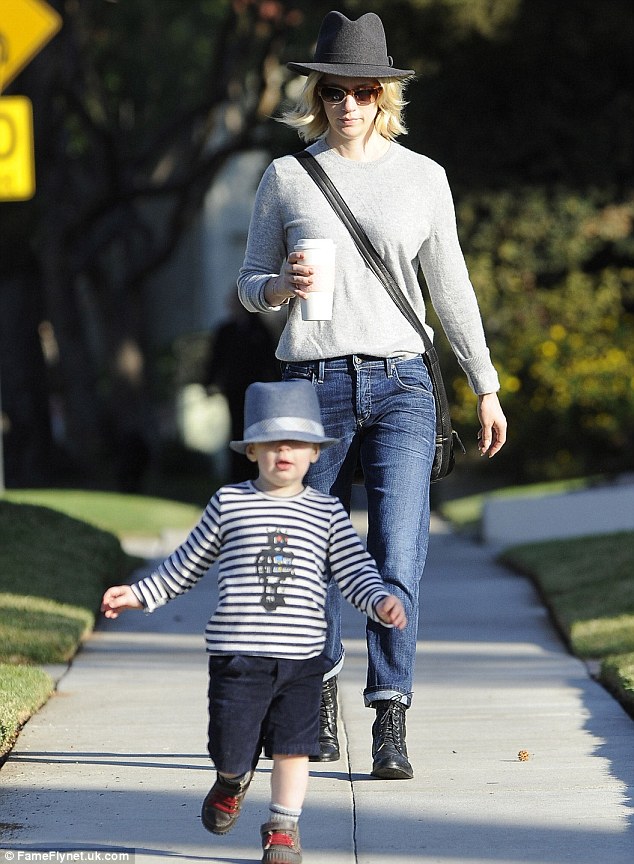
(549, 349)
(557, 332)
(512, 384)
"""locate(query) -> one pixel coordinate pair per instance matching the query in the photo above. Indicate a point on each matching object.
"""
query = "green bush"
(554, 273)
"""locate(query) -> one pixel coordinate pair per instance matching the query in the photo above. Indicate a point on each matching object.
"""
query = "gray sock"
(284, 814)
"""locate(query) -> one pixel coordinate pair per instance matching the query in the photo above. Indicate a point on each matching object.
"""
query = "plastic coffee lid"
(318, 241)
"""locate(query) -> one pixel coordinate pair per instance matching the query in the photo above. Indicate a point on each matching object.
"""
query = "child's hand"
(117, 599)
(391, 611)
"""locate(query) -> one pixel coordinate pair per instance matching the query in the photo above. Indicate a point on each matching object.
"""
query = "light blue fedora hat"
(281, 411)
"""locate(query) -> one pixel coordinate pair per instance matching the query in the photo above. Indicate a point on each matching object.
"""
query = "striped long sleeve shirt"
(273, 558)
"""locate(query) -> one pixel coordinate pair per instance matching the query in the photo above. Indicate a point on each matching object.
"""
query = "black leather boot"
(328, 741)
(389, 750)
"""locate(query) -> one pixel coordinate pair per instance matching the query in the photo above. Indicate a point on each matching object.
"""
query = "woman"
(366, 364)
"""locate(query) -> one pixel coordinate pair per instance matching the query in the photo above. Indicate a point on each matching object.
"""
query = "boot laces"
(325, 713)
(327, 706)
(392, 723)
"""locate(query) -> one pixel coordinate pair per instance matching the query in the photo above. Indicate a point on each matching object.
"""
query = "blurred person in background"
(242, 351)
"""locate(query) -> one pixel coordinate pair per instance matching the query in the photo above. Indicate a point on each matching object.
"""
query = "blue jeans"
(382, 410)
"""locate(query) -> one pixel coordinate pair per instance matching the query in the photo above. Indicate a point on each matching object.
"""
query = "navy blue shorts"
(262, 702)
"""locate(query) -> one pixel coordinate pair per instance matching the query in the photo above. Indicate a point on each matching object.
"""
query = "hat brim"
(351, 70)
(306, 437)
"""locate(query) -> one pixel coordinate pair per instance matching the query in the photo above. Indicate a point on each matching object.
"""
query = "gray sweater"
(404, 203)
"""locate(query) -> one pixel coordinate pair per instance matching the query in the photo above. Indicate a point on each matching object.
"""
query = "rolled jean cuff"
(383, 694)
(336, 669)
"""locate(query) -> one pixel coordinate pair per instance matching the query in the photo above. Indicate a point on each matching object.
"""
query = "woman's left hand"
(492, 434)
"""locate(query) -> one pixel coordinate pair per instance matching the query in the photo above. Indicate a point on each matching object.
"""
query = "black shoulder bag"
(446, 437)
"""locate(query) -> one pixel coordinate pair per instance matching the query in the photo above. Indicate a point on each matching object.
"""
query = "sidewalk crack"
(355, 851)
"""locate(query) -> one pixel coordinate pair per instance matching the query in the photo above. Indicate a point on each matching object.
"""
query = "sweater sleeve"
(452, 294)
(186, 565)
(266, 245)
(353, 568)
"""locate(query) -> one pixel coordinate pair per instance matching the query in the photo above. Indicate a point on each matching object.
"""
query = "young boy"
(275, 540)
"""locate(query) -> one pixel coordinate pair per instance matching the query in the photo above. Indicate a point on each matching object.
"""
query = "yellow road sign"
(17, 163)
(25, 27)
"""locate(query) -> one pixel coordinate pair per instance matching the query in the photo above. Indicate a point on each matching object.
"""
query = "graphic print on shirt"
(274, 565)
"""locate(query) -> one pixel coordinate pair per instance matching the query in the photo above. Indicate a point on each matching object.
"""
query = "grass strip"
(587, 583)
(617, 674)
(23, 689)
(35, 630)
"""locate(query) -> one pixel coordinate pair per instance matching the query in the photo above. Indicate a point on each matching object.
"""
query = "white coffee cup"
(319, 254)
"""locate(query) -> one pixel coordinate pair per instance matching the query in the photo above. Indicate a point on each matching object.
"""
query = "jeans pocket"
(412, 376)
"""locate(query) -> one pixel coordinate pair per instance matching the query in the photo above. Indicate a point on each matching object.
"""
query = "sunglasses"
(361, 95)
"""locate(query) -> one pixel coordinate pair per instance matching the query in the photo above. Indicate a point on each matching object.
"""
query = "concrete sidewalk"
(117, 760)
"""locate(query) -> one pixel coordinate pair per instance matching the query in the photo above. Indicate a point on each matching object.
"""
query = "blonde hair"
(308, 115)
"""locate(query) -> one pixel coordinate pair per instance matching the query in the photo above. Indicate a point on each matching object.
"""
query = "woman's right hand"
(294, 280)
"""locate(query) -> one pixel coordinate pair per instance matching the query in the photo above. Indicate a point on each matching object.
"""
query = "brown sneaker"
(221, 807)
(280, 842)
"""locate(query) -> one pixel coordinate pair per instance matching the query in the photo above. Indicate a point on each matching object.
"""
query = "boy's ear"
(315, 454)
(250, 453)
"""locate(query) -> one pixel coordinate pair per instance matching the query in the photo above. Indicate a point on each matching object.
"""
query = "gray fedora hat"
(354, 49)
(281, 411)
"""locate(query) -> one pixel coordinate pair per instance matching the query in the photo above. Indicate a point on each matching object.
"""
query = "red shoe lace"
(226, 803)
(279, 838)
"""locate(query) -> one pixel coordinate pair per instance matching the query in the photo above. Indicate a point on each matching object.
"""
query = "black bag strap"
(362, 241)
(444, 430)
(374, 261)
